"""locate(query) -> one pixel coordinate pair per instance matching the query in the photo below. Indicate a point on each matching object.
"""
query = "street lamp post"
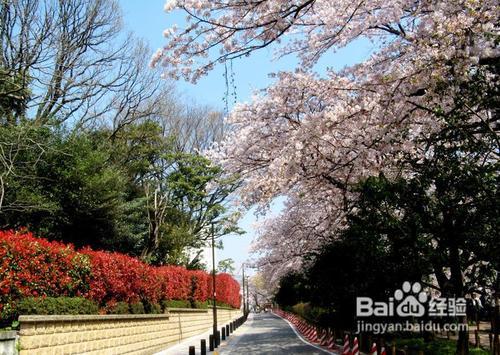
(214, 306)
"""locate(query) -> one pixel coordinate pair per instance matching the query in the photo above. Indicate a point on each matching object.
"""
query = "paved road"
(266, 333)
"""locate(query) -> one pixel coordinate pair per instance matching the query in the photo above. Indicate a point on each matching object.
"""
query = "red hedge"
(203, 282)
(177, 282)
(227, 289)
(118, 277)
(31, 266)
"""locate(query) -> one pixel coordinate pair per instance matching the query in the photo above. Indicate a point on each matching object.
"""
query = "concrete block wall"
(114, 334)
(8, 342)
(189, 322)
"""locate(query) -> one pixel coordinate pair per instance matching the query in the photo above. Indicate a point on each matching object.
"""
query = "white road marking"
(301, 338)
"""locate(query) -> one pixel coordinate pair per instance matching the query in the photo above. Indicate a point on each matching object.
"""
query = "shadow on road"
(268, 334)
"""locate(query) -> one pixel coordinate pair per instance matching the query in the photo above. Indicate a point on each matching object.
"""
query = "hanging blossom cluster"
(287, 238)
(311, 137)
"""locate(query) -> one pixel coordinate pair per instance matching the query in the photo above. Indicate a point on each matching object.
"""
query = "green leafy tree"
(226, 265)
(73, 194)
(183, 194)
(293, 289)
(13, 97)
(108, 157)
(23, 149)
(444, 218)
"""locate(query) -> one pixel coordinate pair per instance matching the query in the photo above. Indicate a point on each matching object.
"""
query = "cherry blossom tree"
(311, 136)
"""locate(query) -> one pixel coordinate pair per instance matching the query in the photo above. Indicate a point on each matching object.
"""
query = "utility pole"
(248, 302)
(243, 288)
(214, 306)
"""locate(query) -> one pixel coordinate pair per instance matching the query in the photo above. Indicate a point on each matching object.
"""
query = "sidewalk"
(182, 348)
(232, 342)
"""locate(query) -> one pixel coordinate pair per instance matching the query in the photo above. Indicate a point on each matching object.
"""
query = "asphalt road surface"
(266, 333)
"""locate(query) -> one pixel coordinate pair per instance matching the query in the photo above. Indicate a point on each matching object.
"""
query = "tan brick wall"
(114, 334)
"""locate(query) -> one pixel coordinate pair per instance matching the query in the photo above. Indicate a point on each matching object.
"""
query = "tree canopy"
(425, 103)
(94, 149)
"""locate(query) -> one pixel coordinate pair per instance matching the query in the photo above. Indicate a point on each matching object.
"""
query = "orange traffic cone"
(373, 350)
(382, 351)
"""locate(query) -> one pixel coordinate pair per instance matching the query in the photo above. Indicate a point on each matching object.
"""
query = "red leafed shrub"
(201, 280)
(176, 283)
(33, 267)
(227, 290)
(120, 278)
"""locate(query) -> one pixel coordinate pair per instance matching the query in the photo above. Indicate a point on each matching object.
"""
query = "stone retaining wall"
(115, 334)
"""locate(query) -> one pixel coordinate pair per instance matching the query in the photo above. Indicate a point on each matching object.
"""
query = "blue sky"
(147, 20)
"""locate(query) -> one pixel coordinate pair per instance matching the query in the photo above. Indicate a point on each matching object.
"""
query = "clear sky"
(147, 20)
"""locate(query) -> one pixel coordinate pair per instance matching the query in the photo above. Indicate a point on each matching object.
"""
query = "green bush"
(176, 304)
(120, 308)
(440, 346)
(56, 305)
(219, 304)
(310, 313)
(152, 308)
(137, 308)
(188, 304)
(301, 309)
(201, 305)
(410, 343)
(448, 347)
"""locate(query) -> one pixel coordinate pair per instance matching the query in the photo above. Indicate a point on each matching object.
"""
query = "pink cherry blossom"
(310, 137)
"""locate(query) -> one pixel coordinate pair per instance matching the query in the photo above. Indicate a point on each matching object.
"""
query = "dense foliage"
(407, 229)
(135, 194)
(95, 151)
(34, 267)
(57, 306)
(423, 103)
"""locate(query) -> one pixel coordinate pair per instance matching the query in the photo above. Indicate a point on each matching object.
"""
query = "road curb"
(302, 339)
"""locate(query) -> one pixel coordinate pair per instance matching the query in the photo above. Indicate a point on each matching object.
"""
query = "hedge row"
(80, 305)
(35, 267)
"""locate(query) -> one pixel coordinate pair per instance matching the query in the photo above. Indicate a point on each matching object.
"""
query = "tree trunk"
(495, 319)
(463, 338)
(2, 192)
(457, 281)
(153, 238)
